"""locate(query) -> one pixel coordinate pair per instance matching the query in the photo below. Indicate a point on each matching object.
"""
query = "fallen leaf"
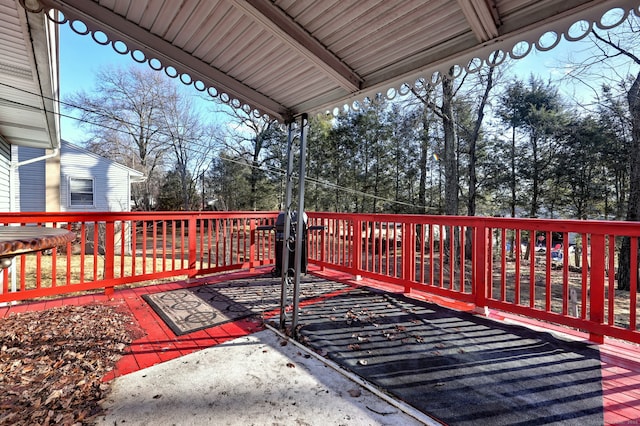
(355, 392)
(53, 362)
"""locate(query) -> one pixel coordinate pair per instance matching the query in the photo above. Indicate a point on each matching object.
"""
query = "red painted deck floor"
(620, 361)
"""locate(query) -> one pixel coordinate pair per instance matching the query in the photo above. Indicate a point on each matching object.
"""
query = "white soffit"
(28, 78)
(287, 57)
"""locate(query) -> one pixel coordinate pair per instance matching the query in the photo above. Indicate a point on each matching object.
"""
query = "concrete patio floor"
(258, 379)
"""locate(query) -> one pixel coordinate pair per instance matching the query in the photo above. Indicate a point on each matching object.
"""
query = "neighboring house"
(74, 179)
(29, 90)
(77, 180)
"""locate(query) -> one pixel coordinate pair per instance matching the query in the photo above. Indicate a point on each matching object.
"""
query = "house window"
(81, 191)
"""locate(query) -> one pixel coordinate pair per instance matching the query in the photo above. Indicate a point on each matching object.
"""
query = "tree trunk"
(633, 208)
(533, 212)
(512, 183)
(513, 172)
(473, 181)
(424, 155)
(450, 166)
(450, 161)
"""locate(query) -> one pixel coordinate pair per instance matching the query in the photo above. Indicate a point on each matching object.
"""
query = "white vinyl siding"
(5, 181)
(29, 186)
(111, 181)
(110, 188)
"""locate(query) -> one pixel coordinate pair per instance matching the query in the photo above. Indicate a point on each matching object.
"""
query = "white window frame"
(71, 192)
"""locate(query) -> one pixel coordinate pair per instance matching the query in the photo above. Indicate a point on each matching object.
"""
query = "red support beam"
(481, 239)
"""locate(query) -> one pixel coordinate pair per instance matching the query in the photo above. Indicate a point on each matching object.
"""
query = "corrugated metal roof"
(287, 57)
(28, 78)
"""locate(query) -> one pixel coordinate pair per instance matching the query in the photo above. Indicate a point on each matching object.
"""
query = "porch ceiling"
(28, 78)
(287, 57)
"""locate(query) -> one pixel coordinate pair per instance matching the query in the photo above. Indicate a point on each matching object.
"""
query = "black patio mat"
(460, 368)
(196, 308)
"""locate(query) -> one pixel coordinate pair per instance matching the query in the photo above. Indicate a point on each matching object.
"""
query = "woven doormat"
(189, 310)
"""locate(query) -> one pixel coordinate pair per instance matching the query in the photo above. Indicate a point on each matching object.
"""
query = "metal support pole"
(287, 228)
(300, 237)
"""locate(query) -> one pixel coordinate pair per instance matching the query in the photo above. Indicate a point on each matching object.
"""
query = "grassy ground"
(84, 269)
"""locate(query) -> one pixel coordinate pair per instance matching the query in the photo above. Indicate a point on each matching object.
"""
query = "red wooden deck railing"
(566, 277)
(113, 249)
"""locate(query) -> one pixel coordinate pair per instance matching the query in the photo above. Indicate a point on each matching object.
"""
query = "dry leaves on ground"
(52, 362)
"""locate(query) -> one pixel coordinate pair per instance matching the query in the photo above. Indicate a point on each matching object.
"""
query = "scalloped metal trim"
(578, 30)
(574, 32)
(120, 47)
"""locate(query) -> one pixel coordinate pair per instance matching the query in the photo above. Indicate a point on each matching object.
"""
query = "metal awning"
(29, 110)
(288, 57)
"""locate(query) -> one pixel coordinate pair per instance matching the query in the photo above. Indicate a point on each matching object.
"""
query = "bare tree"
(487, 80)
(255, 141)
(633, 208)
(445, 112)
(191, 143)
(615, 51)
(122, 116)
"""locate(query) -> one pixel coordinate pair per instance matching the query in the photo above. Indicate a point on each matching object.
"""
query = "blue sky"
(80, 59)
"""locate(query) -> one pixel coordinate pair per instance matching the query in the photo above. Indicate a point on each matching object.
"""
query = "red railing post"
(323, 241)
(109, 255)
(252, 244)
(408, 256)
(192, 244)
(596, 288)
(481, 270)
(356, 246)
